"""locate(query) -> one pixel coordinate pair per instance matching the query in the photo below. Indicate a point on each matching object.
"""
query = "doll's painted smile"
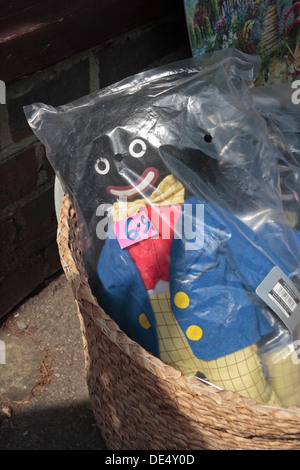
(142, 185)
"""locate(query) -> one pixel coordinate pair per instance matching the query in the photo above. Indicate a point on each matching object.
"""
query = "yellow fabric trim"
(169, 192)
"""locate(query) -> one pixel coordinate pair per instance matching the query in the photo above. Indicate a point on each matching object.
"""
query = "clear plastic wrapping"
(186, 185)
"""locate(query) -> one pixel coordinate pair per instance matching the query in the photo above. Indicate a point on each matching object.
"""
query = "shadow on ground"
(60, 428)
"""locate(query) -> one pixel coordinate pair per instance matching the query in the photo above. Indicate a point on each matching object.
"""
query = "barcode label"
(284, 298)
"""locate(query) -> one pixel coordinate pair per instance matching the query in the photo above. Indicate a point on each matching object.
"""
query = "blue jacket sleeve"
(124, 297)
(251, 256)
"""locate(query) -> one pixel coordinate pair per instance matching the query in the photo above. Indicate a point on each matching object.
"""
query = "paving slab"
(20, 372)
(44, 401)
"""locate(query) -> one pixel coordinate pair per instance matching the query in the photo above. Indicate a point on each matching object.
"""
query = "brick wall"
(28, 250)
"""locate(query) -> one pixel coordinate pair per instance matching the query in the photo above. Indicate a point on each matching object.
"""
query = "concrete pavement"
(44, 401)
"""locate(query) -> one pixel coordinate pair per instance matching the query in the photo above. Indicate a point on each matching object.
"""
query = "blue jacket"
(219, 279)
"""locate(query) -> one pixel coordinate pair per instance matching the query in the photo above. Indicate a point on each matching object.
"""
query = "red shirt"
(152, 256)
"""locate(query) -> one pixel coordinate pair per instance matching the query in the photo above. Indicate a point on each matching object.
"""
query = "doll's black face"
(127, 166)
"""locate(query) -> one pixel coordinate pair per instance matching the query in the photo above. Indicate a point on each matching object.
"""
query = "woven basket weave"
(142, 404)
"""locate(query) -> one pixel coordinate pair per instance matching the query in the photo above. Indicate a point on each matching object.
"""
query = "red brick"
(52, 259)
(18, 177)
(28, 250)
(57, 88)
(36, 219)
(132, 53)
(25, 273)
(8, 237)
(45, 165)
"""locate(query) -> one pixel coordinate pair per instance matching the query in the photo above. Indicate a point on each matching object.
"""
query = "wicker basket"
(142, 404)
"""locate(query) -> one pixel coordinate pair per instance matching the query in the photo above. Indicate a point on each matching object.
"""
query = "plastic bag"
(283, 119)
(177, 177)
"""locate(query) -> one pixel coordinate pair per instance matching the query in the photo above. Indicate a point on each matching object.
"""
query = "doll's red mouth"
(142, 185)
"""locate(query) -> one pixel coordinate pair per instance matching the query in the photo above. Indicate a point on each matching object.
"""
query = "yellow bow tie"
(169, 192)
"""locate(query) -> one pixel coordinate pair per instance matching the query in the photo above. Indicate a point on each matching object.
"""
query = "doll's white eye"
(137, 148)
(102, 166)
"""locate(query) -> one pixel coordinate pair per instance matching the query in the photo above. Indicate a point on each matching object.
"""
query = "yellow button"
(181, 300)
(194, 333)
(144, 322)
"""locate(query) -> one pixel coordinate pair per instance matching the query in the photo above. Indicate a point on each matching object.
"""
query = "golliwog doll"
(176, 189)
(188, 296)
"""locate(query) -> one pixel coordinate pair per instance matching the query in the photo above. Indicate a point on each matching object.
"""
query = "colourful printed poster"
(270, 28)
